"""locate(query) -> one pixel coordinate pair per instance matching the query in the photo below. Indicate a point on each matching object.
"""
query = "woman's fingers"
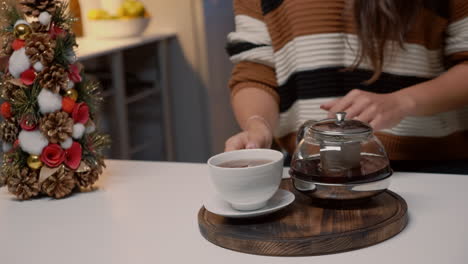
(368, 114)
(357, 108)
(236, 142)
(328, 105)
(378, 123)
(344, 103)
(252, 139)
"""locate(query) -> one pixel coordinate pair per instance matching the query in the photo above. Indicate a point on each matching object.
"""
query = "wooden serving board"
(310, 227)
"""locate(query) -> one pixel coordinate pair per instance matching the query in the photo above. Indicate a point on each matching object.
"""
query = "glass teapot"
(339, 151)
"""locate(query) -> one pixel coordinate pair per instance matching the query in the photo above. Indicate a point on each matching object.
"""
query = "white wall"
(200, 72)
(202, 27)
(219, 21)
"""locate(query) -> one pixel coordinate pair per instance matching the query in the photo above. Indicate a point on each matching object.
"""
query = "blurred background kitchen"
(164, 71)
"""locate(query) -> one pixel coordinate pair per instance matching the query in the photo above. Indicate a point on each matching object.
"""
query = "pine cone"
(88, 178)
(24, 183)
(36, 7)
(57, 127)
(4, 175)
(40, 47)
(38, 27)
(7, 89)
(7, 40)
(53, 78)
(9, 130)
(59, 184)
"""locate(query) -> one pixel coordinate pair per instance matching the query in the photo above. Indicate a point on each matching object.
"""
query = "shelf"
(91, 47)
(145, 93)
(143, 146)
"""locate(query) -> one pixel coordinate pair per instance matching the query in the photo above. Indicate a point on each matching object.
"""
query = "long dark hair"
(377, 23)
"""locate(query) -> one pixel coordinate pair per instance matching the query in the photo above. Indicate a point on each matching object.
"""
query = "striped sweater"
(296, 51)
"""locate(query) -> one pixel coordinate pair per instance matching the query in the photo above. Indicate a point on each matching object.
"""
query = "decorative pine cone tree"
(36, 7)
(56, 127)
(53, 78)
(24, 183)
(49, 140)
(40, 48)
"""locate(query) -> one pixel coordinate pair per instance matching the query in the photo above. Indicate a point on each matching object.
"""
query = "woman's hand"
(379, 110)
(257, 135)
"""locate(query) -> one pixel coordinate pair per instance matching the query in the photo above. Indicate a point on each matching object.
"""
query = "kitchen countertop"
(146, 212)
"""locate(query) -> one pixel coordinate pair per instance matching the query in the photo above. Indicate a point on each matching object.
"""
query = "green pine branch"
(14, 160)
(93, 146)
(63, 45)
(62, 16)
(24, 102)
(90, 93)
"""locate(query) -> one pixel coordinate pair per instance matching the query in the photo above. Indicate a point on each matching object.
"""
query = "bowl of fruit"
(129, 20)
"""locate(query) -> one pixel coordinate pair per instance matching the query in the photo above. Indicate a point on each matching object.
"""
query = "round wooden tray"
(310, 227)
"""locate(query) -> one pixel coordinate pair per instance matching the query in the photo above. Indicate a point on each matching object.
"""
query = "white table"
(90, 48)
(147, 213)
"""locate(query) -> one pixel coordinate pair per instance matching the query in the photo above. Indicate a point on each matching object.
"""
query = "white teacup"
(247, 188)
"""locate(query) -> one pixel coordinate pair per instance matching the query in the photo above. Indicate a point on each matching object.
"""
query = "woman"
(400, 65)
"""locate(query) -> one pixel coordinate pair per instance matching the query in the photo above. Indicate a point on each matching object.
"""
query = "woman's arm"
(447, 92)
(256, 112)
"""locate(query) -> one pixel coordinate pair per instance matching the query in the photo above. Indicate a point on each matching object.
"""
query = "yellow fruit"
(121, 12)
(133, 8)
(93, 14)
(96, 14)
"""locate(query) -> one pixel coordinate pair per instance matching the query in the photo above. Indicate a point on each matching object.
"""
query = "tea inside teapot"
(339, 151)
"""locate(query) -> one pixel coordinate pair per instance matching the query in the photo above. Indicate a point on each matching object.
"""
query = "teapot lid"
(340, 126)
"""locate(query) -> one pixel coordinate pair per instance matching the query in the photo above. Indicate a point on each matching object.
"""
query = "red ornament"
(16, 144)
(68, 104)
(80, 113)
(55, 31)
(5, 109)
(73, 156)
(18, 44)
(53, 155)
(28, 77)
(74, 73)
(28, 124)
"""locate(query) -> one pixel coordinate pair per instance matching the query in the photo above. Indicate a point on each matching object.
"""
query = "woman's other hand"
(257, 135)
(379, 110)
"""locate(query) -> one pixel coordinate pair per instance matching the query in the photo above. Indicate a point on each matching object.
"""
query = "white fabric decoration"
(70, 85)
(90, 128)
(38, 66)
(32, 142)
(21, 21)
(67, 143)
(48, 101)
(78, 130)
(6, 147)
(44, 18)
(18, 62)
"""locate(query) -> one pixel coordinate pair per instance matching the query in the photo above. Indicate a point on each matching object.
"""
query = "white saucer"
(281, 199)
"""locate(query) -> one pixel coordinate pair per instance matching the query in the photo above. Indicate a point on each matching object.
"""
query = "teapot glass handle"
(302, 130)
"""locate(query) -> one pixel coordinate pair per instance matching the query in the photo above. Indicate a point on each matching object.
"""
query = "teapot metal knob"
(340, 117)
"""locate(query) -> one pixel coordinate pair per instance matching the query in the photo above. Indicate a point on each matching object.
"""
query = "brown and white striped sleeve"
(456, 42)
(250, 49)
